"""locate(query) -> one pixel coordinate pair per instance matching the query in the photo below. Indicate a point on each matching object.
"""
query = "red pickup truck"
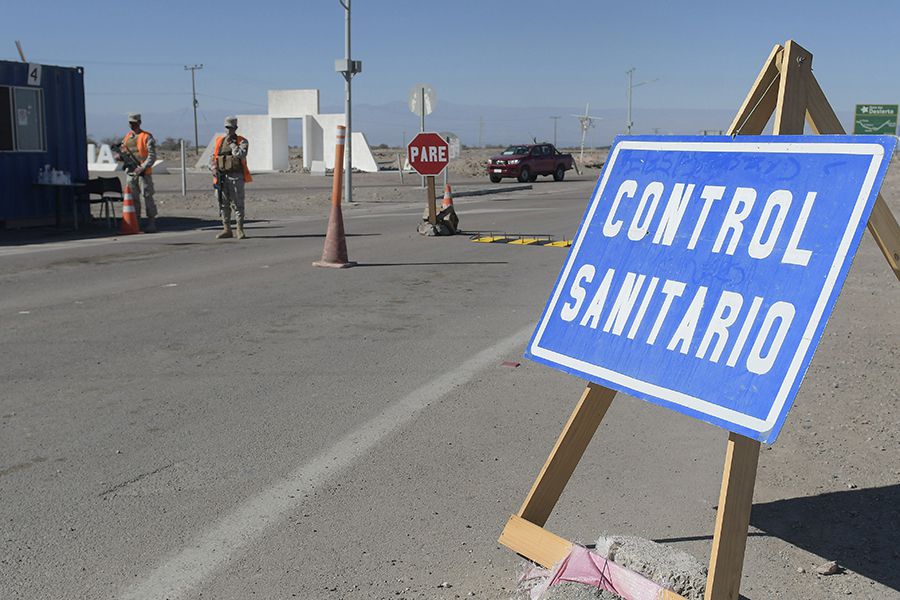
(526, 162)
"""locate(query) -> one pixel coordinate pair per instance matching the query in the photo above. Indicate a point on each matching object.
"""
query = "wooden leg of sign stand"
(882, 224)
(524, 532)
(726, 562)
(432, 210)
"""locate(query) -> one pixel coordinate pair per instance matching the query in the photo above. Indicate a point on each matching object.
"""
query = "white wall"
(293, 104)
(312, 141)
(328, 124)
(280, 158)
(267, 138)
(268, 134)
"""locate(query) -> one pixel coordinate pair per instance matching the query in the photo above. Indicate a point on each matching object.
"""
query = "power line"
(134, 93)
(114, 63)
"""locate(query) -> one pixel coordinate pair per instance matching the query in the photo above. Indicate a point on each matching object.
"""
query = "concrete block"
(101, 159)
(363, 159)
(203, 162)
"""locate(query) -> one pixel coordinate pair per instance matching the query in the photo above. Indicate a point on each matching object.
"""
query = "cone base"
(334, 265)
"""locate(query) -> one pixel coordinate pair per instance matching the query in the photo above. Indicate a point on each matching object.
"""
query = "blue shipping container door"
(42, 122)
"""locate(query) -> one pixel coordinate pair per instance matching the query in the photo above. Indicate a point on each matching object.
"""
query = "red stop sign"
(428, 153)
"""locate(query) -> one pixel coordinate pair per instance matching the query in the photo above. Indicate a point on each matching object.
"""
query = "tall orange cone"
(334, 254)
(129, 215)
(448, 197)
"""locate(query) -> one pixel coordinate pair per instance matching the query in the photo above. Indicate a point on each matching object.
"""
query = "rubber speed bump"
(520, 240)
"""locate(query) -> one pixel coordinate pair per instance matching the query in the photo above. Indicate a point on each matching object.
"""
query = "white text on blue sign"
(704, 271)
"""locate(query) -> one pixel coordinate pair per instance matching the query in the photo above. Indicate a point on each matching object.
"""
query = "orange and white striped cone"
(130, 222)
(334, 254)
(448, 197)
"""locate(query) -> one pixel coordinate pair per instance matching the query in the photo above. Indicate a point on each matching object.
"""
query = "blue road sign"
(705, 269)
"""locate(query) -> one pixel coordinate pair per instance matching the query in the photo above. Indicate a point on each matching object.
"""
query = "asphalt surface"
(189, 418)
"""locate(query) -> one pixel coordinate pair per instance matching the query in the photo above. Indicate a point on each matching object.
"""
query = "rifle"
(129, 160)
(219, 196)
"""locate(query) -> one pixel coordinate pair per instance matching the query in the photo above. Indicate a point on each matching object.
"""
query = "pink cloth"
(589, 568)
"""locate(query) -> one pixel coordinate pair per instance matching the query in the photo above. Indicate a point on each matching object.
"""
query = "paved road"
(186, 418)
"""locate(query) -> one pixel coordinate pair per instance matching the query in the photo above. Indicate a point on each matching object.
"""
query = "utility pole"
(348, 68)
(555, 119)
(480, 132)
(631, 86)
(193, 69)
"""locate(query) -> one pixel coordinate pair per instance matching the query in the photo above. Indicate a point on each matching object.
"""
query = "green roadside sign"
(875, 118)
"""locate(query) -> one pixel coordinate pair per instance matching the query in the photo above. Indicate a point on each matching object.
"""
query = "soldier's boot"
(151, 225)
(240, 229)
(226, 230)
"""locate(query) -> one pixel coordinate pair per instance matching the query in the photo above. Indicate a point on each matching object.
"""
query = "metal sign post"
(422, 101)
(760, 324)
(183, 170)
(453, 150)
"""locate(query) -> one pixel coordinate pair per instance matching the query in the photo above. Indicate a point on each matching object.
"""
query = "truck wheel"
(525, 175)
(495, 178)
(560, 173)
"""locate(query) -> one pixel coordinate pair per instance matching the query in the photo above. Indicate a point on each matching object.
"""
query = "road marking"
(225, 540)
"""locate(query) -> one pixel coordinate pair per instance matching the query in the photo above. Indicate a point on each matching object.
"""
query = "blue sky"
(515, 53)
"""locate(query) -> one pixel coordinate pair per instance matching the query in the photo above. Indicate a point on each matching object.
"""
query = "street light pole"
(193, 69)
(348, 68)
(631, 86)
(629, 123)
(555, 119)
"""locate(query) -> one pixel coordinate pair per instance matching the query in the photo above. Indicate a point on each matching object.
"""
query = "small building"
(42, 122)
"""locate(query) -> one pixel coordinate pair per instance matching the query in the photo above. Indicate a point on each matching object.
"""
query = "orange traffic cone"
(129, 215)
(448, 197)
(334, 254)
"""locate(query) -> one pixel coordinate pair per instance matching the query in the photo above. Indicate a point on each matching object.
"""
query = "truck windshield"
(515, 150)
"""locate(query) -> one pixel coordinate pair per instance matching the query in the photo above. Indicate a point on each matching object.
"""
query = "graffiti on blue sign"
(705, 269)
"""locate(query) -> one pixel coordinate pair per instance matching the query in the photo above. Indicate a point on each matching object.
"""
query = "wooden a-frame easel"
(786, 87)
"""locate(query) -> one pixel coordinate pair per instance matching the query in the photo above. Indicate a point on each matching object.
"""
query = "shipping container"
(42, 122)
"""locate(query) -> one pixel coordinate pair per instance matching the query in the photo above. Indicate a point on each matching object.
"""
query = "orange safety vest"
(143, 151)
(219, 141)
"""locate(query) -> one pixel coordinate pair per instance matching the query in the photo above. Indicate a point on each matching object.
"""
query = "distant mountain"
(393, 124)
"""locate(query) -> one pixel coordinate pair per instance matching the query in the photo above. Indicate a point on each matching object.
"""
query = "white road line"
(226, 540)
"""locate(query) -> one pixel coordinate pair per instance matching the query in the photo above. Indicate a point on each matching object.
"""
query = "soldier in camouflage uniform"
(138, 150)
(229, 163)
